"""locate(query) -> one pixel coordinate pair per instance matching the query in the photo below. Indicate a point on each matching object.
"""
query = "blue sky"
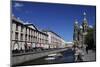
(57, 17)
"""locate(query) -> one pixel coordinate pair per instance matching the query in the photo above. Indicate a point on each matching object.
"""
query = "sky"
(59, 18)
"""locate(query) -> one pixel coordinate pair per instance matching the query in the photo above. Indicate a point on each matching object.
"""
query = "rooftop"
(26, 24)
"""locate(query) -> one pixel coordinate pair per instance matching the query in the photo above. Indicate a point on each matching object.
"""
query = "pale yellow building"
(26, 36)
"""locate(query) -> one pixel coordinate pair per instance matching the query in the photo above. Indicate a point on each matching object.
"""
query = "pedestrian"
(80, 57)
(87, 49)
(78, 54)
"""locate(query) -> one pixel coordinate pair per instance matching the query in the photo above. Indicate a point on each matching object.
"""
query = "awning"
(29, 44)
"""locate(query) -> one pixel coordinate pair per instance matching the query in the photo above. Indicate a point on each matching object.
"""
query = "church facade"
(80, 31)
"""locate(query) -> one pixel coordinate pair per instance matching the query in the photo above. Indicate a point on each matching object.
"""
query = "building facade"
(25, 36)
(54, 40)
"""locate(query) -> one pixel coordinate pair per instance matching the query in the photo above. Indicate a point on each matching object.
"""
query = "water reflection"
(63, 57)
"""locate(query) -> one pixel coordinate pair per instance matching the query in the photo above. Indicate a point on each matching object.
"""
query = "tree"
(89, 39)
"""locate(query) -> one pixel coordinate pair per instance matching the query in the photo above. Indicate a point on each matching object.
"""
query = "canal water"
(63, 57)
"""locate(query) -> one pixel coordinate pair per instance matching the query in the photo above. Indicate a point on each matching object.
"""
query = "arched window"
(16, 46)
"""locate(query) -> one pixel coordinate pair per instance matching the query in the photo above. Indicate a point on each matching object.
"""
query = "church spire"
(85, 23)
(76, 22)
(85, 20)
(84, 16)
(76, 29)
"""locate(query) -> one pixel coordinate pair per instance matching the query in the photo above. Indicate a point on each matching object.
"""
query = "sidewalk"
(91, 56)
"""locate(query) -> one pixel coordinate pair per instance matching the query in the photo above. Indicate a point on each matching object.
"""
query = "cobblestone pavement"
(91, 56)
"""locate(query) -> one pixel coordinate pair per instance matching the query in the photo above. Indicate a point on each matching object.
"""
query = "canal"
(62, 57)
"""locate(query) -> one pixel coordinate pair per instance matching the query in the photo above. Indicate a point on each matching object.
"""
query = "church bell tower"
(85, 23)
(76, 30)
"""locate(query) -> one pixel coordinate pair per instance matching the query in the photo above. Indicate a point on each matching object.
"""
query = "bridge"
(24, 57)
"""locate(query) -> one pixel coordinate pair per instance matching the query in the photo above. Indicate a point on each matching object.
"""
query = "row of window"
(55, 40)
(25, 33)
(31, 32)
(30, 38)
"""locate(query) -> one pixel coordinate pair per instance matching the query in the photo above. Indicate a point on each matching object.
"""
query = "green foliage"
(89, 39)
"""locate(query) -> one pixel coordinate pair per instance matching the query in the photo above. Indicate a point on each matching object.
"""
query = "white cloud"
(18, 5)
(90, 26)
